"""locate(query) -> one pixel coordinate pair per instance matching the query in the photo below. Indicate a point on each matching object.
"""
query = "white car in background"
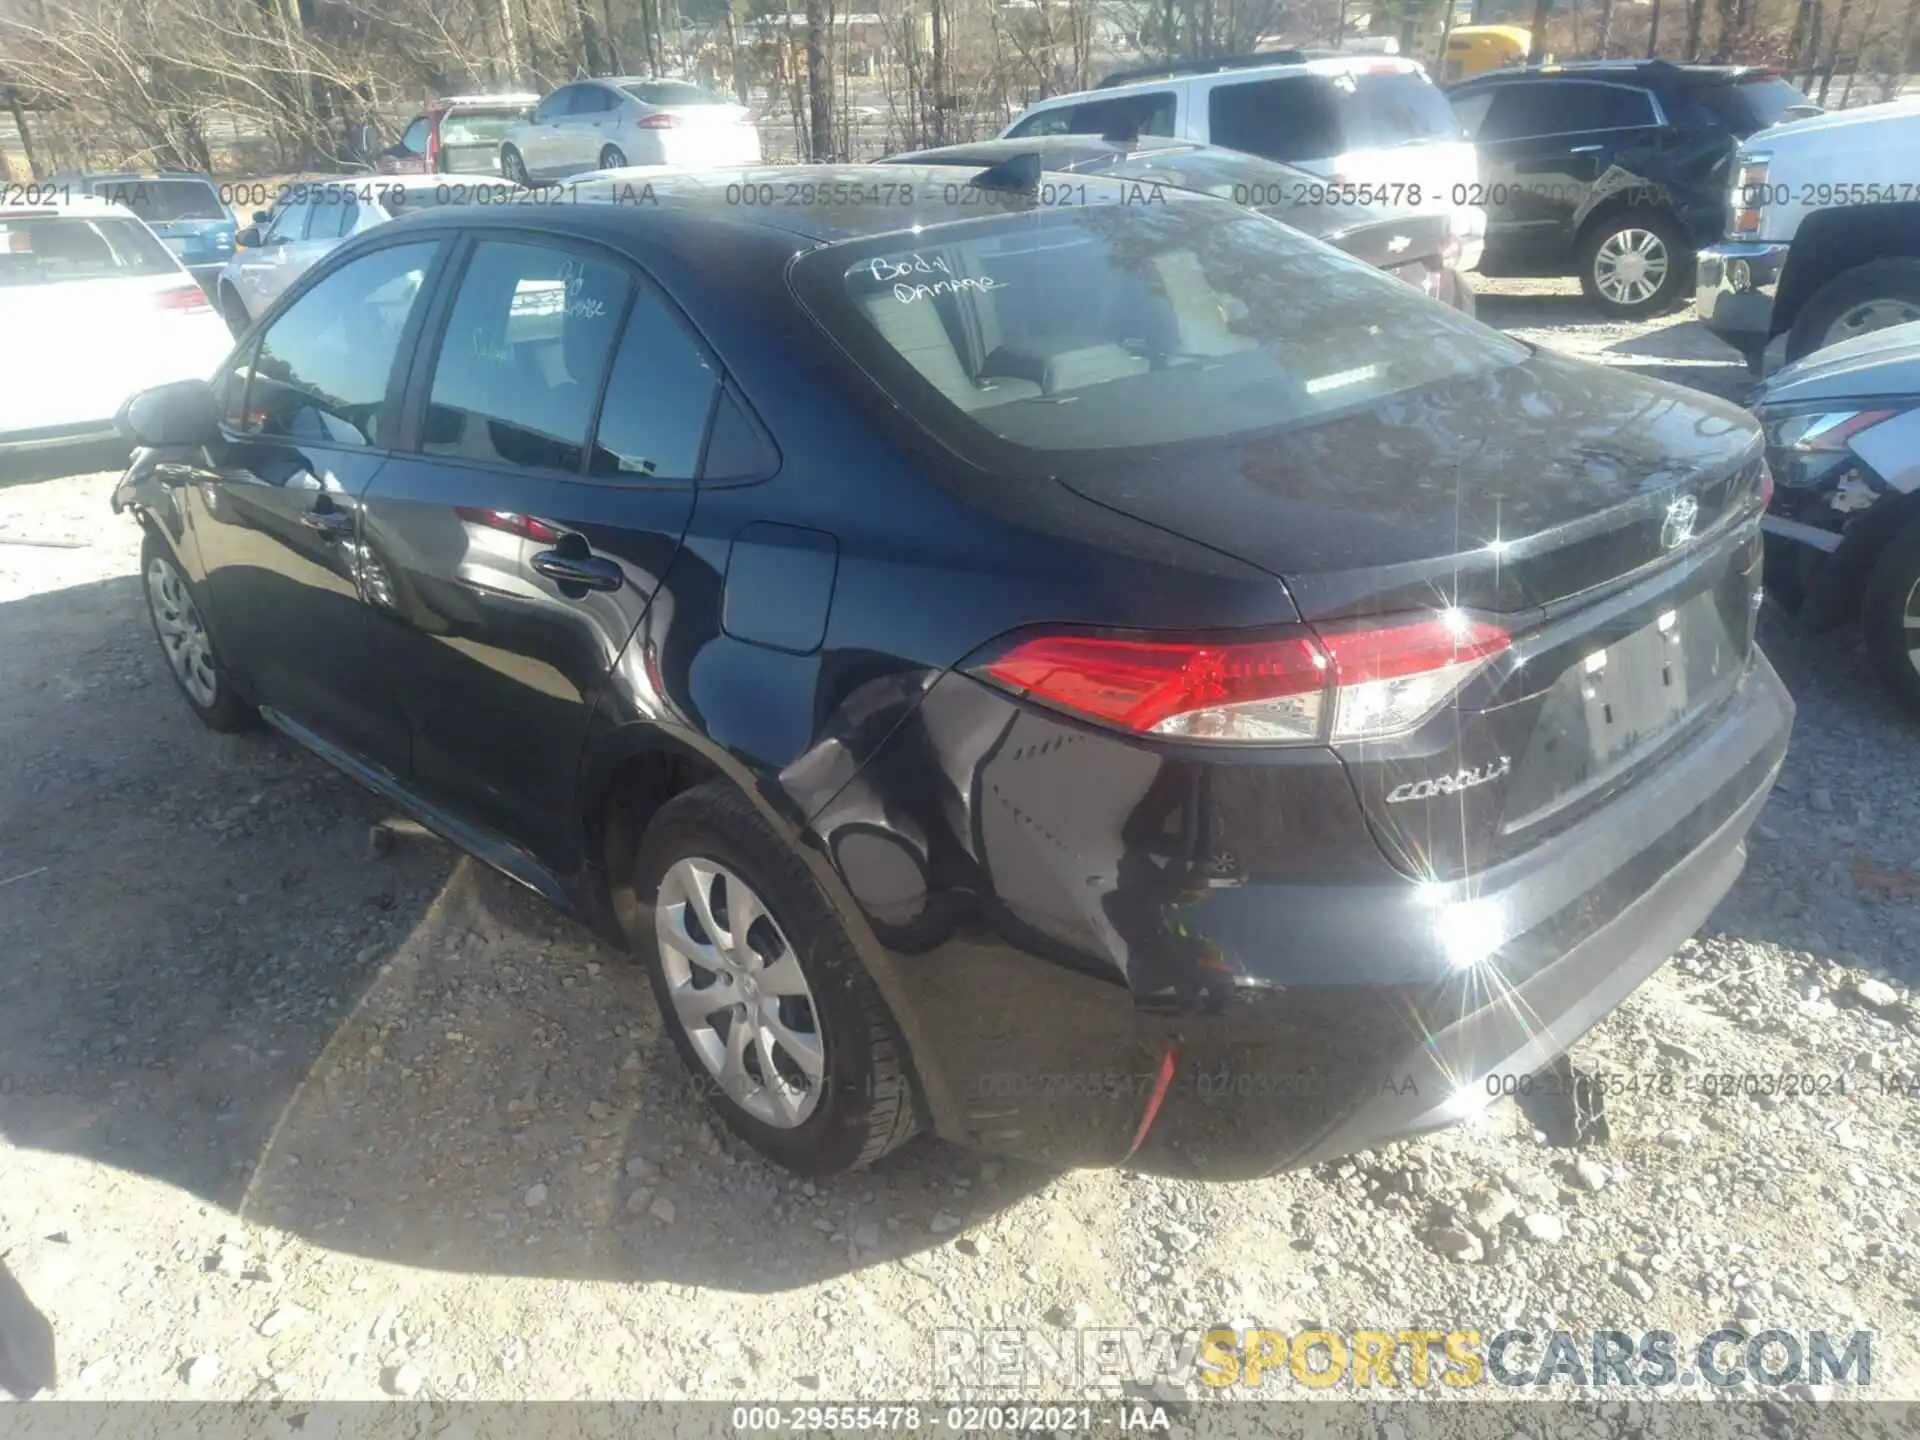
(629, 120)
(93, 307)
(313, 216)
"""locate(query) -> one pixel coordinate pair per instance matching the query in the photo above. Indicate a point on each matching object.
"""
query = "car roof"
(92, 177)
(1239, 69)
(515, 98)
(1056, 152)
(895, 198)
(1639, 70)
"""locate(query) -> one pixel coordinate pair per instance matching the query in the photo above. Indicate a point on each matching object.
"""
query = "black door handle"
(590, 572)
(328, 521)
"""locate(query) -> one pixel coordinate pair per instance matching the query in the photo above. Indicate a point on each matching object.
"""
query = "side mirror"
(181, 413)
(247, 239)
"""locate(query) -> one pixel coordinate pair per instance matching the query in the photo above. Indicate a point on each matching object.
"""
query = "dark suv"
(1046, 673)
(1615, 171)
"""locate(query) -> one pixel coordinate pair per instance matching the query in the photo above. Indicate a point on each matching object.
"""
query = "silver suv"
(1375, 128)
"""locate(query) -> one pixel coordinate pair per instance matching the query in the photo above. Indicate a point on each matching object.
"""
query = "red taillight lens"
(1300, 687)
(525, 526)
(1766, 486)
(186, 298)
(1269, 689)
(657, 122)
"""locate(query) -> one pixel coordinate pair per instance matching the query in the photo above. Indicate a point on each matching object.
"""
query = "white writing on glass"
(914, 264)
(907, 294)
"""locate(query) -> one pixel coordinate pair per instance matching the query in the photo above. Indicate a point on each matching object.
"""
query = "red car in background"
(460, 134)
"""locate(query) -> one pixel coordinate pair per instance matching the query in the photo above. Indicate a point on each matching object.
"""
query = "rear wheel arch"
(1831, 242)
(1837, 596)
(642, 767)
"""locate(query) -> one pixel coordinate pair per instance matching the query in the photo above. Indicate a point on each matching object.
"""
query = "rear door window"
(523, 356)
(332, 216)
(590, 100)
(416, 137)
(1150, 112)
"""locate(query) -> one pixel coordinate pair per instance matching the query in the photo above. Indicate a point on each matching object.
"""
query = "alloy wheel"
(739, 993)
(182, 633)
(1630, 266)
(1868, 316)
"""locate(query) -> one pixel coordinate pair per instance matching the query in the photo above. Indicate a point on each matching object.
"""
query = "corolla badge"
(1449, 784)
(1677, 528)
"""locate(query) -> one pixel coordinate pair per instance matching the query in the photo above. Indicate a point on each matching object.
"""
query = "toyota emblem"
(1677, 529)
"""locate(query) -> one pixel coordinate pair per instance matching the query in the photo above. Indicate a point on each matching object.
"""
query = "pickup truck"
(1823, 233)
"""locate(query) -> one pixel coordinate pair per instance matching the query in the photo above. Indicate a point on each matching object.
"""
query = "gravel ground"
(278, 1117)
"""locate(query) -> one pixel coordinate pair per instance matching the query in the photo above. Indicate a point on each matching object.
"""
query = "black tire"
(866, 1103)
(1676, 247)
(1883, 616)
(513, 166)
(612, 157)
(1896, 280)
(234, 310)
(225, 710)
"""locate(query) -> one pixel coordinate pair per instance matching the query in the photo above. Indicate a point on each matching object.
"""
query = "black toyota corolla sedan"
(1419, 248)
(1106, 682)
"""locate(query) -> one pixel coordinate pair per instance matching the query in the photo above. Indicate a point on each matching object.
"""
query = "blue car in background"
(184, 209)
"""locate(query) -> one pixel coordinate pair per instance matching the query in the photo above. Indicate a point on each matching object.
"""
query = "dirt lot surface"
(278, 1117)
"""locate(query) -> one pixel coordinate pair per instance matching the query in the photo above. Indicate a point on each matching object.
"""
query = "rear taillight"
(1766, 486)
(1298, 687)
(184, 298)
(656, 122)
(433, 143)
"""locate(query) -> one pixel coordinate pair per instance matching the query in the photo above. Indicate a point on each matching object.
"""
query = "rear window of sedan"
(1119, 326)
(673, 92)
(160, 201)
(46, 249)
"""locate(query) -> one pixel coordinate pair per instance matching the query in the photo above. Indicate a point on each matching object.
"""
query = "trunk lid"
(1502, 492)
(1609, 523)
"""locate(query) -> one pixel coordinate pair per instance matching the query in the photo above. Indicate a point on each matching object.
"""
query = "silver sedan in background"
(310, 217)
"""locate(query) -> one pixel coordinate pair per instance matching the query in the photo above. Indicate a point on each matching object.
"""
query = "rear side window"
(1470, 109)
(1293, 118)
(523, 357)
(322, 367)
(1123, 117)
(46, 249)
(1397, 107)
(160, 201)
(1752, 105)
(1315, 117)
(658, 399)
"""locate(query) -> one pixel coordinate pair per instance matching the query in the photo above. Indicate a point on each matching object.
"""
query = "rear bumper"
(1308, 1018)
(1734, 290)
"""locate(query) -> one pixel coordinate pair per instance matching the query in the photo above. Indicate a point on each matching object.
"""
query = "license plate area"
(1619, 702)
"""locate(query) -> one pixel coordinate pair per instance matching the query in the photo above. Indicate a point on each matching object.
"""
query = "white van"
(1375, 127)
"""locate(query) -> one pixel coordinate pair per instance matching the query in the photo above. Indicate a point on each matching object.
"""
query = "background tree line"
(276, 86)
